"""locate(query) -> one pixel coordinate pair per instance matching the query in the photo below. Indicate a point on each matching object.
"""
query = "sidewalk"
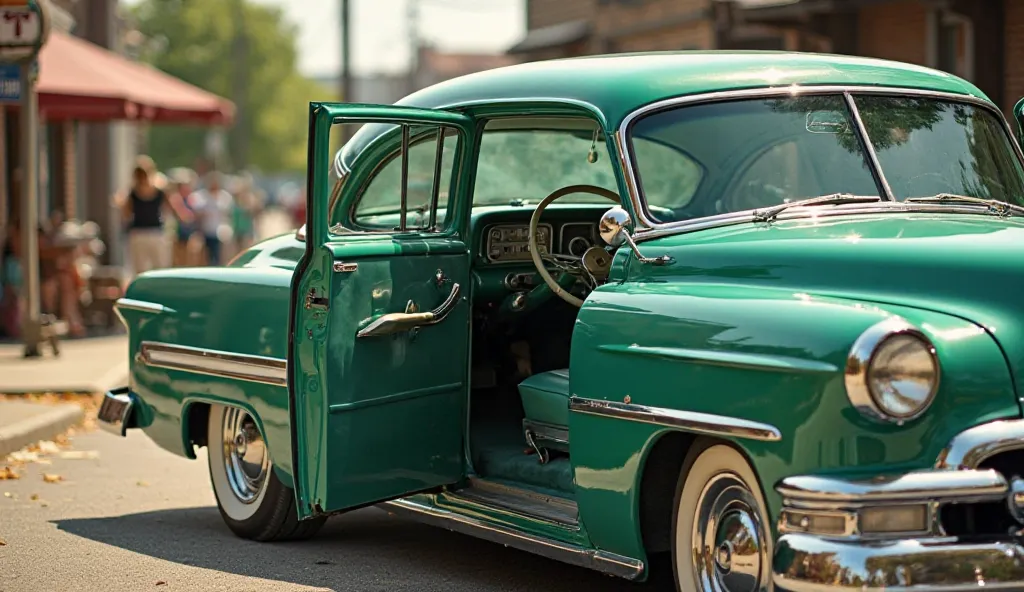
(91, 365)
(23, 423)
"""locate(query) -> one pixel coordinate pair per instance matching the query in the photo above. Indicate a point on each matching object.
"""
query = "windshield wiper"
(994, 206)
(767, 214)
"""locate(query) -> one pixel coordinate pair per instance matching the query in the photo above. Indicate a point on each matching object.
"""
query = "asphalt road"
(140, 518)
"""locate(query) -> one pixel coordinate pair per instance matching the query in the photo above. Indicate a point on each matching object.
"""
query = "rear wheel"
(251, 499)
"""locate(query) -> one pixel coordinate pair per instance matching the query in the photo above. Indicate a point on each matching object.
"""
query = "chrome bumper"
(116, 411)
(805, 563)
(832, 537)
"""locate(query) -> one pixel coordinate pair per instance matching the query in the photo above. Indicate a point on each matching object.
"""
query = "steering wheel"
(580, 267)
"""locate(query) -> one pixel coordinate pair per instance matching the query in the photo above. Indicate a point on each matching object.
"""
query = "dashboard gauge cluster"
(511, 242)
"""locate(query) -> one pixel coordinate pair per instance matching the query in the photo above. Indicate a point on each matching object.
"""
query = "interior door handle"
(398, 322)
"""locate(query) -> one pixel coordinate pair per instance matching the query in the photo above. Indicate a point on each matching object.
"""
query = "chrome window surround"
(858, 362)
(646, 228)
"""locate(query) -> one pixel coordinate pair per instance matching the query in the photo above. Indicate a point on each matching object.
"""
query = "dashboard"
(510, 243)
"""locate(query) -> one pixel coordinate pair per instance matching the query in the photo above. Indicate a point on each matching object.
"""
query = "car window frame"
(348, 225)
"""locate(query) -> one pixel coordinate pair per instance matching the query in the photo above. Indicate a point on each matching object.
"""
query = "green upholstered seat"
(545, 399)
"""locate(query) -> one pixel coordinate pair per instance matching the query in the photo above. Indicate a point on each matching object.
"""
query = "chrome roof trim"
(646, 228)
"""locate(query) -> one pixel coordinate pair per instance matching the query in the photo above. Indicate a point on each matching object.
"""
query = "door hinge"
(342, 267)
(313, 300)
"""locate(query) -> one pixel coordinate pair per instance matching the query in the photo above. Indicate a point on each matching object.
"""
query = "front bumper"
(116, 411)
(829, 542)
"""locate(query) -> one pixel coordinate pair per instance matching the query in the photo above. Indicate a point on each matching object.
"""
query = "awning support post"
(31, 327)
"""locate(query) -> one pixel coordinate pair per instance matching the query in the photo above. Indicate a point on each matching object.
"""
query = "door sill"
(603, 561)
(524, 502)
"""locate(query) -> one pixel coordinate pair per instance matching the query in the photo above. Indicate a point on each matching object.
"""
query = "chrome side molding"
(215, 363)
(609, 563)
(688, 421)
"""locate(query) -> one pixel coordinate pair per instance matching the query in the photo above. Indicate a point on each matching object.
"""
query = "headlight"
(892, 372)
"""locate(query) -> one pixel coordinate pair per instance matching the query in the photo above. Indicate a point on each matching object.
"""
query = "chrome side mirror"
(614, 226)
(614, 230)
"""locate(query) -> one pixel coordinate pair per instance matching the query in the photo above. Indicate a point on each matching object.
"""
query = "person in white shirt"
(212, 205)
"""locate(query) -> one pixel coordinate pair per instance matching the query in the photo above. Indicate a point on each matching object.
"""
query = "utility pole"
(413, 31)
(240, 89)
(346, 89)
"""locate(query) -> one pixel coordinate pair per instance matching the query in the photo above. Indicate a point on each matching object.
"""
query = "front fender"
(760, 354)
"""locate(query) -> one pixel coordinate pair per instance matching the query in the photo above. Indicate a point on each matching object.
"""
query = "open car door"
(379, 353)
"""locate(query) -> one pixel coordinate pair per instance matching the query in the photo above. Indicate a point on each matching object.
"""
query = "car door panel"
(381, 415)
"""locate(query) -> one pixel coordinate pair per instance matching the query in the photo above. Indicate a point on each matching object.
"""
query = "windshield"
(526, 165)
(758, 153)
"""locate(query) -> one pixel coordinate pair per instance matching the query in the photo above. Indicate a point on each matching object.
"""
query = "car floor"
(500, 451)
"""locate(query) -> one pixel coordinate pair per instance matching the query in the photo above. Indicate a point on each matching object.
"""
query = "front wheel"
(721, 540)
(251, 499)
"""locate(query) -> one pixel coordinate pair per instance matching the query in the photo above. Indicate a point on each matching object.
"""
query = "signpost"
(24, 28)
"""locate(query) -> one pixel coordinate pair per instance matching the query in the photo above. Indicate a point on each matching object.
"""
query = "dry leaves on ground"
(52, 478)
(90, 404)
(8, 473)
(3, 543)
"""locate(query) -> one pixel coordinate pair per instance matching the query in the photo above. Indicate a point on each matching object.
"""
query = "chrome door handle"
(398, 322)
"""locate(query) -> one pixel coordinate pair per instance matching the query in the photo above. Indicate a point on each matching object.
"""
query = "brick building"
(979, 40)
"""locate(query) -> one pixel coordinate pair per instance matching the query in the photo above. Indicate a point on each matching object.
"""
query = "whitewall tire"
(251, 499)
(722, 540)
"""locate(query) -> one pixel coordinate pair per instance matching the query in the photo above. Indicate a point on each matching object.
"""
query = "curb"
(39, 427)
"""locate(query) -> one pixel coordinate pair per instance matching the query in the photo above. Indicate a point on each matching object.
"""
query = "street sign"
(10, 83)
(24, 27)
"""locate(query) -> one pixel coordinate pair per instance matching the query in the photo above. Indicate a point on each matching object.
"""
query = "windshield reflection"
(760, 153)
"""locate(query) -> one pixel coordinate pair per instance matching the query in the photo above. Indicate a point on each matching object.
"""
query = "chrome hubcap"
(245, 455)
(729, 549)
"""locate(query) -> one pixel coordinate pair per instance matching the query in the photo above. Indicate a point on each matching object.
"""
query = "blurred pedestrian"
(182, 185)
(143, 209)
(247, 207)
(212, 205)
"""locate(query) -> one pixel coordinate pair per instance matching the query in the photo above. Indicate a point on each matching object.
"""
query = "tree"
(239, 50)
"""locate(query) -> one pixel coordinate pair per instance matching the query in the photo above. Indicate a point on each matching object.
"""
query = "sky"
(380, 30)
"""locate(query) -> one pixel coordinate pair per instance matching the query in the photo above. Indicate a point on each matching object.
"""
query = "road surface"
(139, 518)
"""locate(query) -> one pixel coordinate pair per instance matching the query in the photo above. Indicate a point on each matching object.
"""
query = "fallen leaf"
(44, 505)
(8, 494)
(161, 583)
(142, 484)
(3, 543)
(23, 456)
(323, 562)
(79, 454)
(51, 478)
(62, 440)
(34, 496)
(48, 447)
(8, 473)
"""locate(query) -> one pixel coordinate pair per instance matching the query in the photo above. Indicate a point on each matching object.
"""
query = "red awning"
(83, 81)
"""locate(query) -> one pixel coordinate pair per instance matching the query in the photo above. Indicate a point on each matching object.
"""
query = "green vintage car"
(760, 312)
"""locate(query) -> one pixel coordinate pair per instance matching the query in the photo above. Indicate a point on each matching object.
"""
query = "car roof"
(616, 85)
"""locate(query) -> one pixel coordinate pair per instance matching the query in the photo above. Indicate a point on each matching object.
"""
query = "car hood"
(968, 266)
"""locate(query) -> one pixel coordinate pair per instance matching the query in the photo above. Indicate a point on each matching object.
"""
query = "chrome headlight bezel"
(862, 356)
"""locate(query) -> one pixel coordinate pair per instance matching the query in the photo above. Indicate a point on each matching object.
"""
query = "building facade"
(980, 40)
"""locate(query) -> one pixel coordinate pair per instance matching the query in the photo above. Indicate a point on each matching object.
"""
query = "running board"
(525, 502)
(603, 561)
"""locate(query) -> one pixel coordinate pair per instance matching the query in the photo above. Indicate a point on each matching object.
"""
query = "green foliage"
(201, 48)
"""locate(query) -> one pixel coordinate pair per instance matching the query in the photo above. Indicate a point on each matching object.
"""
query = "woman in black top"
(143, 210)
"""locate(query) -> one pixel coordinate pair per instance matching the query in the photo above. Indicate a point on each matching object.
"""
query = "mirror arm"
(663, 260)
